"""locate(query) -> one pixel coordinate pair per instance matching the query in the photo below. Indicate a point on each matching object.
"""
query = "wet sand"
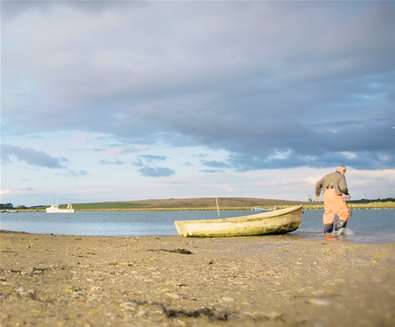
(170, 281)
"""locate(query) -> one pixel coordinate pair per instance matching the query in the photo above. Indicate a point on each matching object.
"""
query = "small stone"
(273, 315)
(227, 299)
(179, 322)
(321, 302)
(140, 313)
(172, 295)
(20, 291)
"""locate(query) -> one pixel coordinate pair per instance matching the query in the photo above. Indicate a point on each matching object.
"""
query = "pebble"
(272, 315)
(20, 291)
(227, 299)
(321, 302)
(180, 322)
(141, 313)
(172, 295)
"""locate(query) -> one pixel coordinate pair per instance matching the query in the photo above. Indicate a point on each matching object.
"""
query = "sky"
(122, 100)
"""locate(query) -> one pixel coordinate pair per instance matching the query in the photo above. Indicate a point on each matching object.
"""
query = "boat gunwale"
(255, 217)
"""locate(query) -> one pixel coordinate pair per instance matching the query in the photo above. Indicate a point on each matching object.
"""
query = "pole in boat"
(218, 213)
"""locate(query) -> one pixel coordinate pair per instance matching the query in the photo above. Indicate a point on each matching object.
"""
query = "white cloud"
(5, 192)
(349, 155)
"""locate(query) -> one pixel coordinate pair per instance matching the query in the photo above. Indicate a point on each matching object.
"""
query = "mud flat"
(169, 281)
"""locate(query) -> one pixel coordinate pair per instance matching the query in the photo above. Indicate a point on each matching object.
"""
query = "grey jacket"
(334, 180)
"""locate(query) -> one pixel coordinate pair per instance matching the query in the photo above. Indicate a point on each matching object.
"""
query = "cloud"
(31, 157)
(76, 172)
(152, 158)
(8, 192)
(156, 171)
(38, 158)
(112, 162)
(210, 171)
(273, 84)
(360, 160)
(144, 162)
(5, 191)
(215, 164)
(13, 8)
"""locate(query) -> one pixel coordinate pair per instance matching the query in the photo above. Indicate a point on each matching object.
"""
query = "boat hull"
(60, 210)
(272, 222)
(55, 209)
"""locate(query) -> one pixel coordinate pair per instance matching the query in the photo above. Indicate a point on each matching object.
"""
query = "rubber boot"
(328, 228)
(340, 226)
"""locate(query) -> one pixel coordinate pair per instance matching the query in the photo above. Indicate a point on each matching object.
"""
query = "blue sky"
(132, 100)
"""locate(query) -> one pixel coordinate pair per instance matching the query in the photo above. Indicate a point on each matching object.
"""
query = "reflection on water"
(364, 225)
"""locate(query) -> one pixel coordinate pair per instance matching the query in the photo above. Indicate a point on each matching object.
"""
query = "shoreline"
(305, 207)
(303, 236)
(53, 280)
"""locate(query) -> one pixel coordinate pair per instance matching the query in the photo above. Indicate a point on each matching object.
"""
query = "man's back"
(333, 180)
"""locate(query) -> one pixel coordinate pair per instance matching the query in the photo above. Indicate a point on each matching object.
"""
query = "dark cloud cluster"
(31, 157)
(274, 84)
(37, 158)
(147, 166)
(156, 171)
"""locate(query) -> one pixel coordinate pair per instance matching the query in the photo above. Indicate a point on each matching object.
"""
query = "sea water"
(364, 225)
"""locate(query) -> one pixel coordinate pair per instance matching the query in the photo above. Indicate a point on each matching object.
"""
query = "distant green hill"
(189, 203)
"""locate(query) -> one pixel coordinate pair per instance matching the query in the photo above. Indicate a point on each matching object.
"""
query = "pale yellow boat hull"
(271, 222)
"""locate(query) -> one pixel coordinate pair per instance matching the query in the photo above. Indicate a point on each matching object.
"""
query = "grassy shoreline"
(368, 206)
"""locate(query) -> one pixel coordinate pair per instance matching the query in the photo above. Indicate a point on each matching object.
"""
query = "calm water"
(364, 226)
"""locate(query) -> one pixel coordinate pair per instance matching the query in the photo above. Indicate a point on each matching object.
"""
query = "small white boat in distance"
(55, 209)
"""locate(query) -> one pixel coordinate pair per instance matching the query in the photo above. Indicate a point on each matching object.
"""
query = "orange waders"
(334, 205)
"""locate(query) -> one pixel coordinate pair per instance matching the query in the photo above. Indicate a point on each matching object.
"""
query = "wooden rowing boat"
(269, 222)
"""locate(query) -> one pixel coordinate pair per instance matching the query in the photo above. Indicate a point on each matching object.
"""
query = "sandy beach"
(48, 280)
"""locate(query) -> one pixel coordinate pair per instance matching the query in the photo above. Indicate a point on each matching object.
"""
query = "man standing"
(335, 192)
